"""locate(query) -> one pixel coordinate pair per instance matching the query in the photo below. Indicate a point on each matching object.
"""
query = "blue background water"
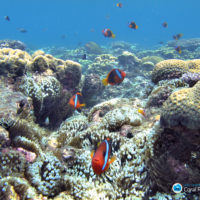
(81, 21)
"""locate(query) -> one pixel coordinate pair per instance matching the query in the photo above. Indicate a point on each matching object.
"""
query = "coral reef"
(102, 64)
(115, 183)
(92, 87)
(12, 104)
(93, 48)
(45, 146)
(191, 78)
(69, 74)
(188, 44)
(13, 44)
(46, 175)
(163, 90)
(46, 92)
(14, 62)
(176, 159)
(128, 60)
(182, 108)
(169, 69)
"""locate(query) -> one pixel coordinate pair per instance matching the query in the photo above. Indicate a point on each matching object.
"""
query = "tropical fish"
(165, 24)
(133, 25)
(101, 158)
(22, 30)
(84, 56)
(142, 111)
(108, 33)
(115, 76)
(7, 18)
(178, 36)
(119, 5)
(178, 49)
(76, 101)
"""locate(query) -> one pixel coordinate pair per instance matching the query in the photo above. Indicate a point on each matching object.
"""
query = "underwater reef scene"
(66, 134)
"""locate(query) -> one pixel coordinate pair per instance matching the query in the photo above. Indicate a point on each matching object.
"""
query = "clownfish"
(108, 33)
(101, 158)
(133, 25)
(165, 24)
(178, 36)
(115, 76)
(119, 5)
(7, 18)
(178, 49)
(76, 101)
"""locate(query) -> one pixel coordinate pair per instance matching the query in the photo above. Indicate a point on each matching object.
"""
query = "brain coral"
(14, 62)
(168, 69)
(182, 108)
(174, 68)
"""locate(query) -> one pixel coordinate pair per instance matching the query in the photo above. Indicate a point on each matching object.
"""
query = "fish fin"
(105, 81)
(82, 105)
(110, 162)
(98, 144)
(113, 35)
(107, 167)
(92, 154)
(112, 159)
(136, 27)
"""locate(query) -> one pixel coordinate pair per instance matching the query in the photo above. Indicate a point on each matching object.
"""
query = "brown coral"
(168, 69)
(69, 74)
(14, 62)
(174, 68)
(182, 108)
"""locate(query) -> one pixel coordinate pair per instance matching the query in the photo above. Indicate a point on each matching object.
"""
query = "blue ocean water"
(75, 22)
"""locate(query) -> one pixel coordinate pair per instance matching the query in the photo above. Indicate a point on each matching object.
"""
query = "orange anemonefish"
(100, 159)
(133, 25)
(108, 33)
(165, 24)
(119, 5)
(178, 49)
(76, 101)
(115, 76)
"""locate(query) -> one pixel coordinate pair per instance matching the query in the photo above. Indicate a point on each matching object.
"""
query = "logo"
(177, 188)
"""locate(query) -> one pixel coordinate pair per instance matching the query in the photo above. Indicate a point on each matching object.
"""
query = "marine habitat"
(100, 100)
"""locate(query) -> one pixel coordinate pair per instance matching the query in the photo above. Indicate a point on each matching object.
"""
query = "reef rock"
(11, 106)
(182, 108)
(93, 48)
(14, 62)
(13, 44)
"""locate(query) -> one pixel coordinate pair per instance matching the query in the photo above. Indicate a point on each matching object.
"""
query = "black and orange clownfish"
(165, 24)
(108, 33)
(133, 25)
(178, 36)
(7, 18)
(115, 76)
(76, 101)
(119, 5)
(178, 49)
(101, 158)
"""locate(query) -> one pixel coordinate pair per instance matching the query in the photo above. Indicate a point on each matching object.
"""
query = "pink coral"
(29, 156)
(125, 130)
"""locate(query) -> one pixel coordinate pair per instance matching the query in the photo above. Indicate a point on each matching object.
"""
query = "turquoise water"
(75, 22)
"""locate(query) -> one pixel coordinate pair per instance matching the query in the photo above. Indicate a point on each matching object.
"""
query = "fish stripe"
(118, 74)
(75, 101)
(106, 156)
